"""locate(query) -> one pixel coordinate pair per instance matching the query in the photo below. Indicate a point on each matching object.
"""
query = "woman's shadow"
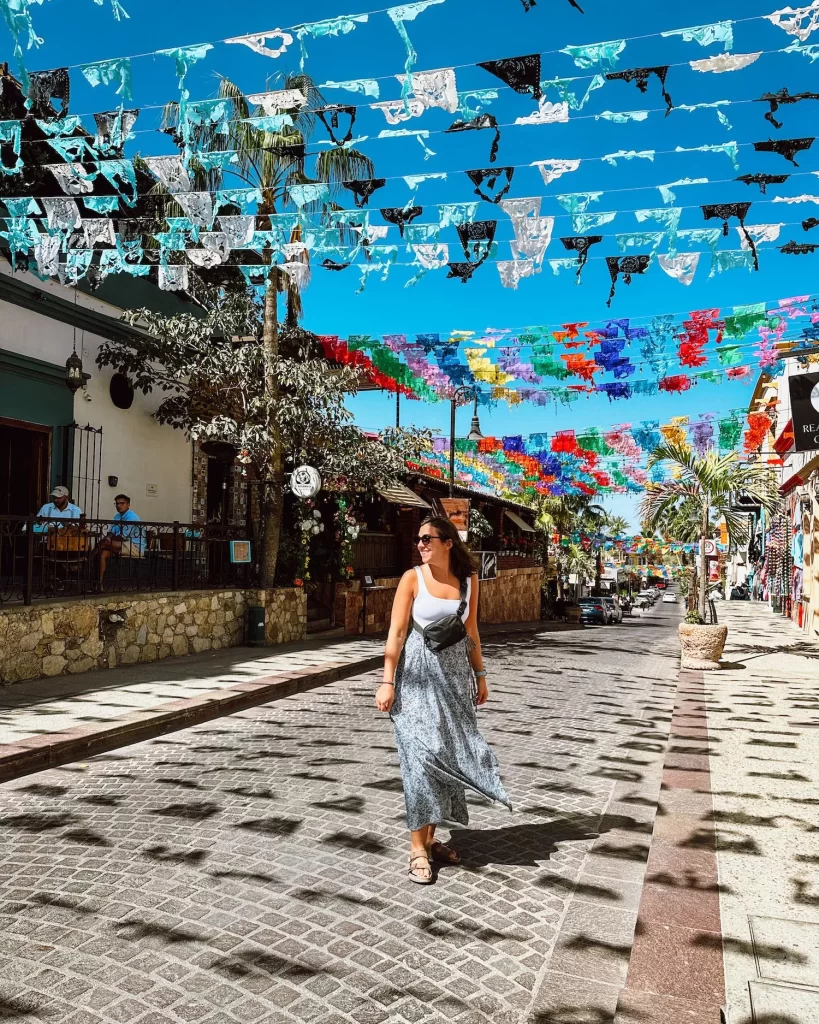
(522, 845)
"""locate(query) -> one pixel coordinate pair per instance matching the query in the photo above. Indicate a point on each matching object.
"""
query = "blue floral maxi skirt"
(436, 728)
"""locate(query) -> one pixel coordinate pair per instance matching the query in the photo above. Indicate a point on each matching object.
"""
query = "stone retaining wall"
(53, 639)
(514, 596)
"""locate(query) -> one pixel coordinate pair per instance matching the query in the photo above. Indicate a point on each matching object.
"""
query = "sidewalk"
(729, 914)
(49, 722)
(763, 716)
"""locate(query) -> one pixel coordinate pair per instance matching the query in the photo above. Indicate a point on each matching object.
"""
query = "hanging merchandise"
(520, 73)
(788, 148)
(641, 76)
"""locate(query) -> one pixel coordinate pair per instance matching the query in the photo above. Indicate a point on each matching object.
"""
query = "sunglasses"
(426, 539)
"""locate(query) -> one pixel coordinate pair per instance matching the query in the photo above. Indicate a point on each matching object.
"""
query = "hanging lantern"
(74, 376)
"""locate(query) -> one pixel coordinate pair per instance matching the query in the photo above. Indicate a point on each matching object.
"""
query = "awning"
(518, 521)
(794, 481)
(398, 494)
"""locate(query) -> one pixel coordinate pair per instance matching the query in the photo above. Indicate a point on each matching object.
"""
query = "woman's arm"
(399, 627)
(475, 653)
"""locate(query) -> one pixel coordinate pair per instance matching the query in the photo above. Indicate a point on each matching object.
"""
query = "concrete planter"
(573, 613)
(702, 646)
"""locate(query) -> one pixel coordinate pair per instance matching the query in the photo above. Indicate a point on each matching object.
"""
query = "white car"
(669, 598)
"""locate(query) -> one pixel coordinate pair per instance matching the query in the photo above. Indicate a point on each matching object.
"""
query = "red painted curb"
(676, 970)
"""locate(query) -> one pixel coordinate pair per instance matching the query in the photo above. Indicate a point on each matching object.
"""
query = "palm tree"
(618, 526)
(565, 516)
(272, 161)
(702, 487)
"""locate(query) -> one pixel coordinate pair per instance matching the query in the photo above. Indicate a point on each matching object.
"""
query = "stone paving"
(54, 705)
(252, 869)
(763, 720)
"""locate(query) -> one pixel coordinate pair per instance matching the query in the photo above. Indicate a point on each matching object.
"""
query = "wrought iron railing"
(43, 559)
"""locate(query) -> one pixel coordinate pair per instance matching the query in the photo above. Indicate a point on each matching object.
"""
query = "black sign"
(804, 389)
(489, 565)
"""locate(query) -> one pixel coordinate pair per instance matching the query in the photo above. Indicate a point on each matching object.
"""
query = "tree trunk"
(703, 589)
(273, 477)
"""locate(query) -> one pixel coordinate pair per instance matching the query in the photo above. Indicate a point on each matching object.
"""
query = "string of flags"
(592, 461)
(706, 345)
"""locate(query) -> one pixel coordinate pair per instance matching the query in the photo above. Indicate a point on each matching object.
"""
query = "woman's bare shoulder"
(409, 580)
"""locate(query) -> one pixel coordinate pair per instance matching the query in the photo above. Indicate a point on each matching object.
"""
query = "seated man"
(59, 508)
(126, 541)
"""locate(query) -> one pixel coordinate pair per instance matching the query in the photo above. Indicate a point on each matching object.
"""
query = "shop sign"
(457, 511)
(489, 565)
(804, 389)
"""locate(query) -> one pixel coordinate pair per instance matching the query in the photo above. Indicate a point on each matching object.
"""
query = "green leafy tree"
(700, 491)
(210, 371)
(270, 161)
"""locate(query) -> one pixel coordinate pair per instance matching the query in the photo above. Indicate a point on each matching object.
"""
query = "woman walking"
(432, 659)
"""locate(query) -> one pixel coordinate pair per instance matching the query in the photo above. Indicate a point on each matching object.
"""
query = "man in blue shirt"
(125, 541)
(59, 508)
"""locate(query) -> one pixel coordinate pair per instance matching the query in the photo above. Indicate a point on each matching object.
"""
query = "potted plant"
(700, 491)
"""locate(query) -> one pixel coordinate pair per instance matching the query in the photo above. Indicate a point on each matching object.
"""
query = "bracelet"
(387, 682)
(481, 674)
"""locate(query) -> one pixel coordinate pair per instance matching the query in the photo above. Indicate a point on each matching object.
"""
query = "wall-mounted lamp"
(113, 481)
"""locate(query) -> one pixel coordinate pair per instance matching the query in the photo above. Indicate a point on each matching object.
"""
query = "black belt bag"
(445, 632)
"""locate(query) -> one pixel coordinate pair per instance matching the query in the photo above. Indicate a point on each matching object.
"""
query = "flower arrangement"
(347, 530)
(308, 521)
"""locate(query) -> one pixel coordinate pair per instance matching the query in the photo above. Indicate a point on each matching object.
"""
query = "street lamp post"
(474, 431)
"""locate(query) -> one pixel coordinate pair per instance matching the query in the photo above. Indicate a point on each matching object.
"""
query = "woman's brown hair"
(461, 560)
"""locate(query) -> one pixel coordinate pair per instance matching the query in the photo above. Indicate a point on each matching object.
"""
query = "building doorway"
(25, 462)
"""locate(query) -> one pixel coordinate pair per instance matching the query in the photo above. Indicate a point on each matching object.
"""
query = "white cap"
(60, 492)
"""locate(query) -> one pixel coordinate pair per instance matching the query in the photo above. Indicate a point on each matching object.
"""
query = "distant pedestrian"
(560, 609)
(431, 693)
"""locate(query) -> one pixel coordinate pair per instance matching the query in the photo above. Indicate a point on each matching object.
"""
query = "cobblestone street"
(253, 868)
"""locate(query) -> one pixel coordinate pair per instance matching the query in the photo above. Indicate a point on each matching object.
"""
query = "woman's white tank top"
(427, 609)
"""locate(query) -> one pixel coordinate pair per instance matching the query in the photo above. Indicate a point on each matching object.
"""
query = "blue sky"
(458, 33)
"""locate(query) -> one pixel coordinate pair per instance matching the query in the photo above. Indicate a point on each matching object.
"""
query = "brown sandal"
(419, 879)
(443, 854)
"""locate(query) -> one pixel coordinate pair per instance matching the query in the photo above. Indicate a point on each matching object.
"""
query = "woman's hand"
(384, 696)
(483, 691)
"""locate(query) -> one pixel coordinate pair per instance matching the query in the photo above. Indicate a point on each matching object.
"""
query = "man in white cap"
(58, 508)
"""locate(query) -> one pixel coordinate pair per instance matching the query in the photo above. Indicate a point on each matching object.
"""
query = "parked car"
(613, 608)
(669, 597)
(593, 611)
(647, 596)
